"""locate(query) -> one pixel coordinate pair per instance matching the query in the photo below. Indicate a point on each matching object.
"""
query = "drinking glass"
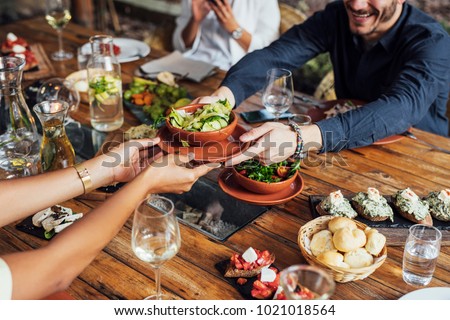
(11, 168)
(57, 14)
(278, 92)
(420, 255)
(305, 282)
(155, 236)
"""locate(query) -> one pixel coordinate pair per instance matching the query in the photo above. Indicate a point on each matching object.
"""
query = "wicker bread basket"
(339, 274)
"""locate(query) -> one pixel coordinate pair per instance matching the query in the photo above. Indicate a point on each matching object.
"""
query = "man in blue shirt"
(385, 52)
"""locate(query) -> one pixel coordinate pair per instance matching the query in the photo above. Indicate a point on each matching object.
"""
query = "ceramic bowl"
(262, 187)
(201, 138)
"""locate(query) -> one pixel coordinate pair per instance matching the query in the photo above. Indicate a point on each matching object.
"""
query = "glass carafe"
(105, 85)
(18, 135)
(56, 150)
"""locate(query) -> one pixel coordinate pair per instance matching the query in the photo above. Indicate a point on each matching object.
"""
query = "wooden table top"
(117, 274)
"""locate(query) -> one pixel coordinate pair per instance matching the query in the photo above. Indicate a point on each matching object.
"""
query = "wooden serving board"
(44, 69)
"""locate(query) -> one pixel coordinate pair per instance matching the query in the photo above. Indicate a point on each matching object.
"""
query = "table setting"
(240, 218)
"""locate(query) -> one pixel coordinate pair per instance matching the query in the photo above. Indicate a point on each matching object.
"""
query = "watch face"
(237, 34)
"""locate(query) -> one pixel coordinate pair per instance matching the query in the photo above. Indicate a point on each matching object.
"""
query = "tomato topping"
(283, 171)
(241, 281)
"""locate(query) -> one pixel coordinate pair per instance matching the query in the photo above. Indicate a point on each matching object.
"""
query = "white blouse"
(215, 45)
(5, 281)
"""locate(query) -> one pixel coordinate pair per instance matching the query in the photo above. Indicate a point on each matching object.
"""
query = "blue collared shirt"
(404, 77)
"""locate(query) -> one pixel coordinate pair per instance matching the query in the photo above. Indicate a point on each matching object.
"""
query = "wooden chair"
(325, 89)
(290, 16)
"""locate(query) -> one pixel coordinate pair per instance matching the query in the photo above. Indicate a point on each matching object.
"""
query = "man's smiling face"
(372, 18)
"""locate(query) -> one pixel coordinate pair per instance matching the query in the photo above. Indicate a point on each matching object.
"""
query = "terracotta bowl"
(262, 187)
(201, 138)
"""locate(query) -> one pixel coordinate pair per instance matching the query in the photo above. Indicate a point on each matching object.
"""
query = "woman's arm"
(44, 190)
(38, 273)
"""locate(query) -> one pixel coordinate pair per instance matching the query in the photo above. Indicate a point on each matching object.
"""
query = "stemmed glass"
(155, 237)
(278, 92)
(57, 14)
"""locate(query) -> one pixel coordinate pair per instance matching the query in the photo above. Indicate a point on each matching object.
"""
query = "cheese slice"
(373, 194)
(444, 196)
(268, 275)
(409, 195)
(250, 255)
(336, 198)
(11, 37)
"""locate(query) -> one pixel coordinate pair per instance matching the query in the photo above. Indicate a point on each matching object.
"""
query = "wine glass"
(57, 14)
(305, 282)
(155, 236)
(278, 92)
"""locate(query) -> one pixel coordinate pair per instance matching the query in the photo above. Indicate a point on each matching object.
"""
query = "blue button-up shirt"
(404, 77)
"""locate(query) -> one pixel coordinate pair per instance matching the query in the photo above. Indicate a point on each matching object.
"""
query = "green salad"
(210, 117)
(274, 172)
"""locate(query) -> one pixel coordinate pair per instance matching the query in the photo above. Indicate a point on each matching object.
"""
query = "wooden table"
(117, 274)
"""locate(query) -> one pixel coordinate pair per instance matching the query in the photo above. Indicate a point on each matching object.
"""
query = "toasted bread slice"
(321, 211)
(232, 272)
(360, 210)
(427, 221)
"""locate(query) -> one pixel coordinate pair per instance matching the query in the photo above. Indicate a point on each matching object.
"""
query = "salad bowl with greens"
(266, 179)
(198, 124)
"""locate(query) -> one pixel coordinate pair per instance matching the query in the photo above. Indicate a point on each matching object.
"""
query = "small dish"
(262, 187)
(199, 138)
(436, 293)
(213, 151)
(228, 184)
(79, 82)
(130, 49)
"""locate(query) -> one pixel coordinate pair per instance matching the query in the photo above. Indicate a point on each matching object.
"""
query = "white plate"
(130, 49)
(438, 293)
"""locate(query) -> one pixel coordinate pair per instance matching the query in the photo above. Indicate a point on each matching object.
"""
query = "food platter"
(229, 185)
(215, 151)
(318, 114)
(130, 49)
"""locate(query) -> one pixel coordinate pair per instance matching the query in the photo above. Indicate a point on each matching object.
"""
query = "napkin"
(178, 64)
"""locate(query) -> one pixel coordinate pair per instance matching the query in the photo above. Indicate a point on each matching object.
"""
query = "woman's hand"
(128, 159)
(200, 9)
(224, 14)
(275, 142)
(170, 174)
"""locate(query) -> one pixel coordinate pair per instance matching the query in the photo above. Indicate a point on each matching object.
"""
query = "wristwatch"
(237, 33)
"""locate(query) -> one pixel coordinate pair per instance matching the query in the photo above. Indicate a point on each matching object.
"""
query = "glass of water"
(420, 255)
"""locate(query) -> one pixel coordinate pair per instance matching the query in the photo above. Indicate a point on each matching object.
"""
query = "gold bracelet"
(85, 178)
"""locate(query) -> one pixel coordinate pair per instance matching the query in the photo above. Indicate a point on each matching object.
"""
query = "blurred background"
(153, 22)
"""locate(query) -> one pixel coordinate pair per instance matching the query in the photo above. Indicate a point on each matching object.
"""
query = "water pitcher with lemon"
(105, 85)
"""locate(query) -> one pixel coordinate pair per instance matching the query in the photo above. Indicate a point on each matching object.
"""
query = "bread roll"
(322, 241)
(339, 223)
(346, 239)
(358, 258)
(332, 258)
(375, 242)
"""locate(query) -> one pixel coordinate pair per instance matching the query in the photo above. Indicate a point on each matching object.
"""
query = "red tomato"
(283, 171)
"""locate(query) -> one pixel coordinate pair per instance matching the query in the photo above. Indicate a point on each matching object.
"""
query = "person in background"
(222, 31)
(385, 52)
(34, 274)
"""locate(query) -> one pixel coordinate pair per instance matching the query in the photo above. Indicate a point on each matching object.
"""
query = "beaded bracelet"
(298, 154)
